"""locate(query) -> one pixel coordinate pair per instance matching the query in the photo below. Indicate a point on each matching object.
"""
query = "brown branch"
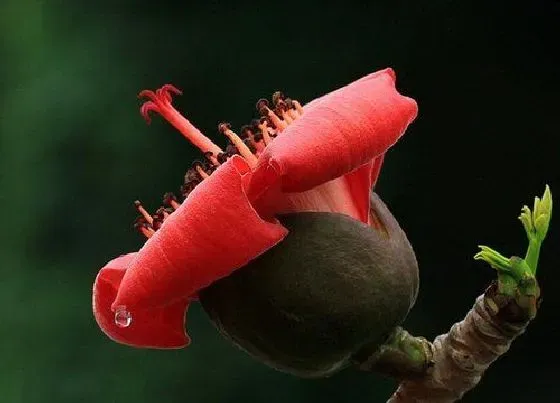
(461, 356)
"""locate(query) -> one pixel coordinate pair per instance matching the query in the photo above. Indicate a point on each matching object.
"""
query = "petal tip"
(160, 328)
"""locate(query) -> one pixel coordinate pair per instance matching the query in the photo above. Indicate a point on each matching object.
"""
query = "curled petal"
(338, 133)
(214, 232)
(157, 327)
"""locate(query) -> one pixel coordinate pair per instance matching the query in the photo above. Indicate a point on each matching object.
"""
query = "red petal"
(214, 232)
(360, 183)
(158, 327)
(337, 134)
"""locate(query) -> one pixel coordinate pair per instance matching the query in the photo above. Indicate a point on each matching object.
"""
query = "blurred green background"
(75, 153)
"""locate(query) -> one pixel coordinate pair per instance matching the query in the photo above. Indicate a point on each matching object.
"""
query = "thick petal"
(214, 232)
(157, 327)
(360, 182)
(337, 134)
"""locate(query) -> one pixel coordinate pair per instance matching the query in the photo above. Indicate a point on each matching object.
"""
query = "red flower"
(325, 156)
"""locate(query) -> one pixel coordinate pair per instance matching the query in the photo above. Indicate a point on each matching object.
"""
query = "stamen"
(158, 222)
(187, 188)
(147, 232)
(248, 136)
(169, 199)
(255, 125)
(143, 211)
(163, 213)
(159, 217)
(222, 158)
(263, 126)
(210, 157)
(264, 110)
(192, 174)
(282, 110)
(250, 145)
(292, 113)
(160, 102)
(262, 106)
(277, 96)
(141, 225)
(246, 132)
(201, 172)
(298, 107)
(225, 128)
(231, 150)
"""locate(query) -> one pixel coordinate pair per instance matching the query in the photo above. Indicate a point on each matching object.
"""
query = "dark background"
(75, 153)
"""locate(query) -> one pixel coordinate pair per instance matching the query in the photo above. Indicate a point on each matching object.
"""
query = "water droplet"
(123, 318)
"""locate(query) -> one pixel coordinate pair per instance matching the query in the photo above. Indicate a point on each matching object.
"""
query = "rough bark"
(461, 356)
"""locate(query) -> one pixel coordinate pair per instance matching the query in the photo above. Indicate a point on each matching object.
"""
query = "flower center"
(249, 144)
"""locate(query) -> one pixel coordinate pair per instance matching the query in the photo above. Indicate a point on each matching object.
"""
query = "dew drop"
(123, 318)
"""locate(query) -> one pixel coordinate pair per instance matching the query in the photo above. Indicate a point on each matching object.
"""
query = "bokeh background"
(75, 153)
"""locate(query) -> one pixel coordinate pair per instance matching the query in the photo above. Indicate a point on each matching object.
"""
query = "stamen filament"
(212, 158)
(142, 226)
(279, 123)
(201, 172)
(245, 152)
(263, 126)
(298, 106)
(293, 113)
(170, 200)
(143, 211)
(286, 116)
(147, 231)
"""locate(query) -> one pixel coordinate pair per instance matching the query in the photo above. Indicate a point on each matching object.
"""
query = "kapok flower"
(325, 156)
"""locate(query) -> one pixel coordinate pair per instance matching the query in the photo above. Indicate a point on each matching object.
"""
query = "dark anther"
(222, 127)
(187, 188)
(168, 198)
(261, 103)
(140, 222)
(258, 136)
(192, 175)
(261, 106)
(159, 217)
(160, 213)
(290, 103)
(268, 121)
(250, 145)
(157, 221)
(208, 155)
(255, 125)
(245, 131)
(222, 157)
(208, 168)
(231, 150)
(280, 108)
(277, 96)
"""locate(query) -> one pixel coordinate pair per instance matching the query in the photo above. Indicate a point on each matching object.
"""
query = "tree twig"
(460, 357)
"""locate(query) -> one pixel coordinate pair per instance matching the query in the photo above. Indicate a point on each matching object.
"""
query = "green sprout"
(516, 275)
